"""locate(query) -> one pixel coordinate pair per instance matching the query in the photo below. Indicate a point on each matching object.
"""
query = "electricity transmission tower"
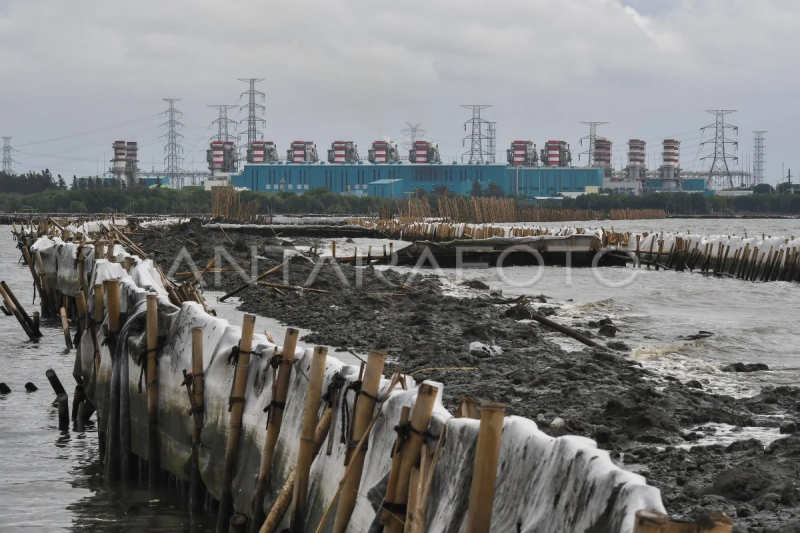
(758, 158)
(592, 137)
(719, 173)
(223, 122)
(253, 109)
(8, 159)
(173, 158)
(476, 138)
(413, 132)
(491, 142)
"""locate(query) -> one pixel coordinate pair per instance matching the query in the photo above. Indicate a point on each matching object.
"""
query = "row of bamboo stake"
(482, 210)
(412, 463)
(313, 433)
(745, 263)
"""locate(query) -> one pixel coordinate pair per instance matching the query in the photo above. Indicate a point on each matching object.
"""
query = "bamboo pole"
(153, 464)
(238, 524)
(82, 319)
(13, 310)
(366, 405)
(196, 482)
(714, 523)
(681, 527)
(63, 411)
(78, 397)
(65, 327)
(113, 448)
(52, 377)
(648, 521)
(563, 329)
(37, 282)
(305, 452)
(359, 447)
(420, 418)
(284, 499)
(99, 296)
(487, 454)
(394, 472)
(277, 406)
(252, 282)
(34, 327)
(235, 428)
(111, 287)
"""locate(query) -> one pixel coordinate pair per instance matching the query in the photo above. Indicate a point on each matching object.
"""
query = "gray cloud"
(359, 69)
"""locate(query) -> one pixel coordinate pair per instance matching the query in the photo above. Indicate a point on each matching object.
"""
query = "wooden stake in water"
(153, 465)
(63, 411)
(65, 327)
(196, 483)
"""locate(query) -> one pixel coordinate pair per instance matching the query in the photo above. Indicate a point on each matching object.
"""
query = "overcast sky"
(88, 72)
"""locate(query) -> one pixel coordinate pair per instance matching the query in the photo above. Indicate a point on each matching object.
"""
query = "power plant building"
(399, 179)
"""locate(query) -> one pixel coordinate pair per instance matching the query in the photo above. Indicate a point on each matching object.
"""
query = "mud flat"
(488, 348)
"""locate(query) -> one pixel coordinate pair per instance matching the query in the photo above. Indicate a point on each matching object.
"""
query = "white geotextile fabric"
(544, 484)
(764, 244)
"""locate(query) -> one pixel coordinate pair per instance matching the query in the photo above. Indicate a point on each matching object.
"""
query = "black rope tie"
(143, 362)
(233, 358)
(336, 384)
(404, 433)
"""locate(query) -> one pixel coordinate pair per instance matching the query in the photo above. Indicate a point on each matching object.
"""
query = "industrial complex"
(388, 171)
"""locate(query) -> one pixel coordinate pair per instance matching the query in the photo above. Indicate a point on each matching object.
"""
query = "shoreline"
(643, 419)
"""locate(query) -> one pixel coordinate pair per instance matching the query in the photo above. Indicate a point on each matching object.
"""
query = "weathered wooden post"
(153, 464)
(196, 483)
(276, 408)
(58, 388)
(420, 419)
(363, 414)
(13, 310)
(114, 448)
(63, 411)
(305, 452)
(34, 327)
(487, 454)
(648, 521)
(284, 498)
(235, 429)
(397, 456)
(65, 327)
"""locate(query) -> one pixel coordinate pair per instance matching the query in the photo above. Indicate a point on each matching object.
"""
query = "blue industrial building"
(394, 180)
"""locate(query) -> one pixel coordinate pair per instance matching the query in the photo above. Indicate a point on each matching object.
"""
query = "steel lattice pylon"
(719, 174)
(252, 110)
(491, 142)
(8, 159)
(592, 137)
(173, 150)
(759, 152)
(413, 132)
(223, 122)
(476, 138)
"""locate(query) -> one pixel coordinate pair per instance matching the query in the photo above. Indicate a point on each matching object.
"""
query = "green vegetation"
(45, 193)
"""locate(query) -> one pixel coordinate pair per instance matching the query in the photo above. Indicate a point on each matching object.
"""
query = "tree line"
(45, 193)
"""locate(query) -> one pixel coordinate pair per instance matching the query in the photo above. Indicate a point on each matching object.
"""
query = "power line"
(719, 173)
(413, 132)
(173, 149)
(476, 152)
(592, 137)
(252, 110)
(758, 157)
(223, 122)
(91, 132)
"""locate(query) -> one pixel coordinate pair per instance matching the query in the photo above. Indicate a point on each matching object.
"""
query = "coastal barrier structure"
(182, 393)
